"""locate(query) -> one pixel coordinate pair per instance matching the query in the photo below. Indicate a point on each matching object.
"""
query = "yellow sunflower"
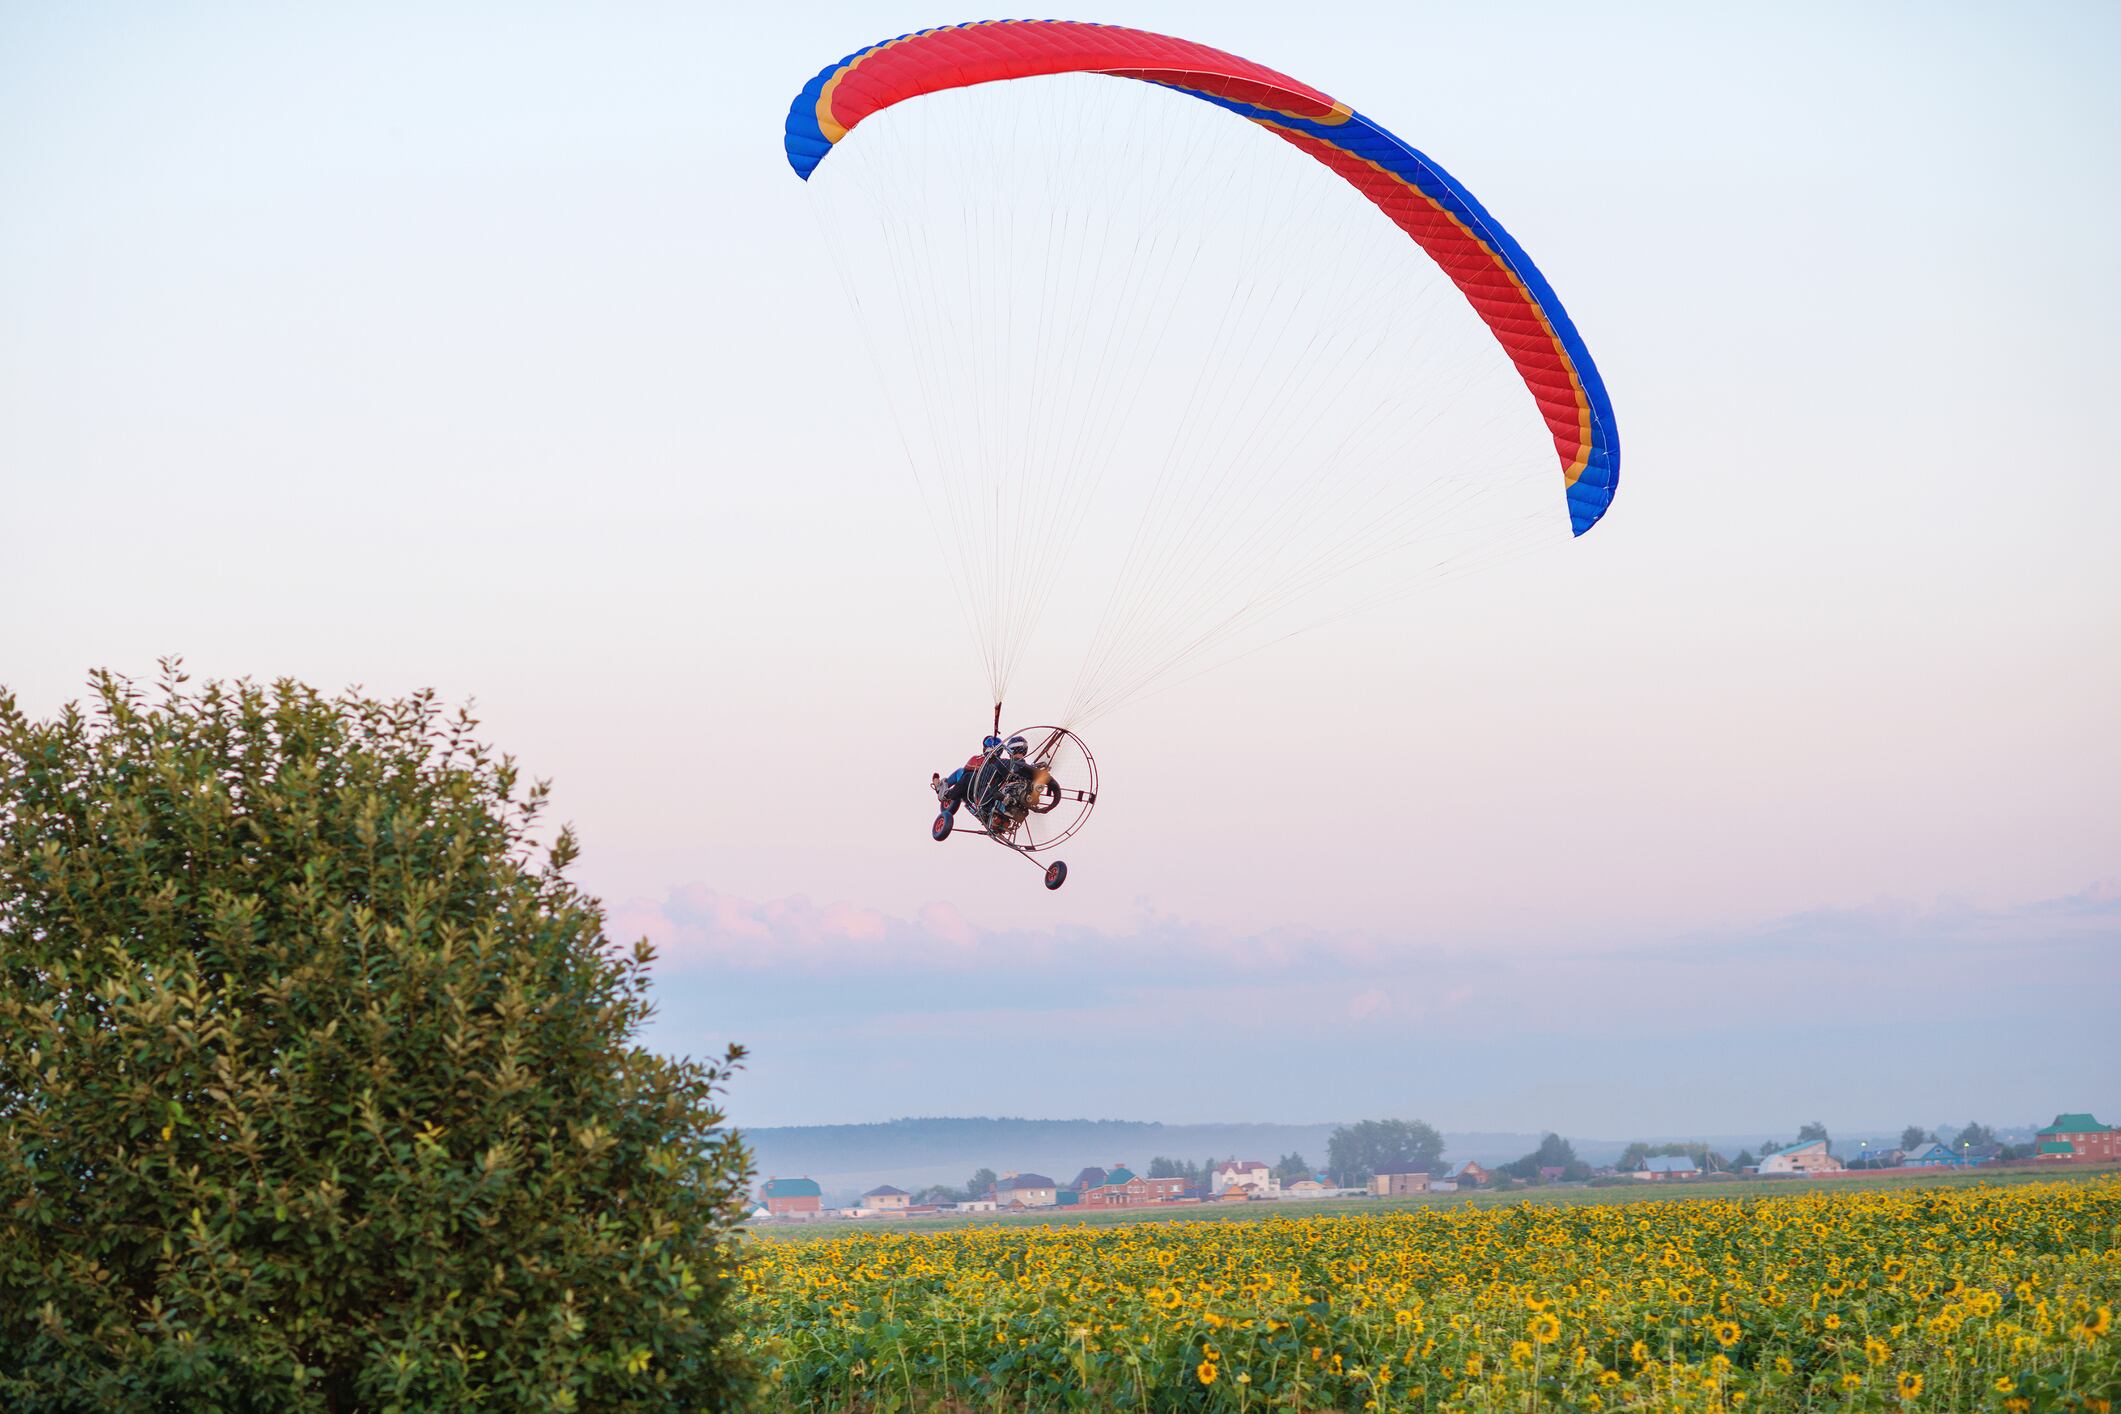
(1910, 1384)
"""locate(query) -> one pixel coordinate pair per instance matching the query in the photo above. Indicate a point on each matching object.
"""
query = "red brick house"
(1123, 1188)
(792, 1197)
(2077, 1137)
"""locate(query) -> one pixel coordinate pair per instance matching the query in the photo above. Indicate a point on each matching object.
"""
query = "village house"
(1123, 1188)
(1929, 1156)
(1805, 1158)
(1026, 1190)
(1304, 1188)
(1399, 1184)
(1660, 1167)
(1551, 1173)
(792, 1198)
(1470, 1175)
(2077, 1136)
(886, 1199)
(1249, 1174)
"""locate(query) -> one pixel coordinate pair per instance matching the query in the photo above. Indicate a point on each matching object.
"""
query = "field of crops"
(1946, 1298)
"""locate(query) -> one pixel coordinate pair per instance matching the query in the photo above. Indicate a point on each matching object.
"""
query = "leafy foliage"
(1357, 1152)
(318, 1088)
(1976, 1135)
(1553, 1152)
(1914, 1137)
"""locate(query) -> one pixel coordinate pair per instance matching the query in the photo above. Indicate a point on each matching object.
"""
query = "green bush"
(318, 1083)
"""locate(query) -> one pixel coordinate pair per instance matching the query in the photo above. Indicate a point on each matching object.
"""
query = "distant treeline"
(918, 1152)
(956, 1146)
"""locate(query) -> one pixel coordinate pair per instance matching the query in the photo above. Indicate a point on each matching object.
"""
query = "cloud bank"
(1877, 1015)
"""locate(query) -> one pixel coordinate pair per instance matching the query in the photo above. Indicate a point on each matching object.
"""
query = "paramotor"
(1212, 339)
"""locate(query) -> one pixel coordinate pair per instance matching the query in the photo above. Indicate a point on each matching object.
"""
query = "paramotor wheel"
(940, 830)
(1056, 873)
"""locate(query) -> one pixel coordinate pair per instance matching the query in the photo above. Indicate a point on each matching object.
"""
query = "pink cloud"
(698, 924)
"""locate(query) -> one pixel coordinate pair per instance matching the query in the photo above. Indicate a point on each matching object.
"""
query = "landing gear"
(940, 830)
(1056, 873)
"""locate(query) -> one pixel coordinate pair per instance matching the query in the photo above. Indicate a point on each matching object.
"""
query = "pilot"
(950, 790)
(991, 788)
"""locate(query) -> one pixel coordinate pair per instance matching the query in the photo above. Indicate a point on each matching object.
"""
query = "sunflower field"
(1975, 1297)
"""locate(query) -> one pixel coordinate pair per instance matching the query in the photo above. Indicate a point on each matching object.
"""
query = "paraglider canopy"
(1439, 214)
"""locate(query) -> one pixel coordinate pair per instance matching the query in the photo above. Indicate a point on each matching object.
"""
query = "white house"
(1254, 1177)
(1802, 1158)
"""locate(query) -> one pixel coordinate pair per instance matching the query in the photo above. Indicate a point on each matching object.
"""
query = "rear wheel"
(1056, 873)
(940, 830)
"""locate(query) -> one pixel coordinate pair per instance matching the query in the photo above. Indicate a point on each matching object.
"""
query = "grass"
(1630, 1191)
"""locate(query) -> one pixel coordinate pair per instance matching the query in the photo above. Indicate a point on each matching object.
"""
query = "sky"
(496, 350)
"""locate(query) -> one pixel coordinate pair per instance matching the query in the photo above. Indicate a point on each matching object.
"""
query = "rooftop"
(2074, 1124)
(1024, 1180)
